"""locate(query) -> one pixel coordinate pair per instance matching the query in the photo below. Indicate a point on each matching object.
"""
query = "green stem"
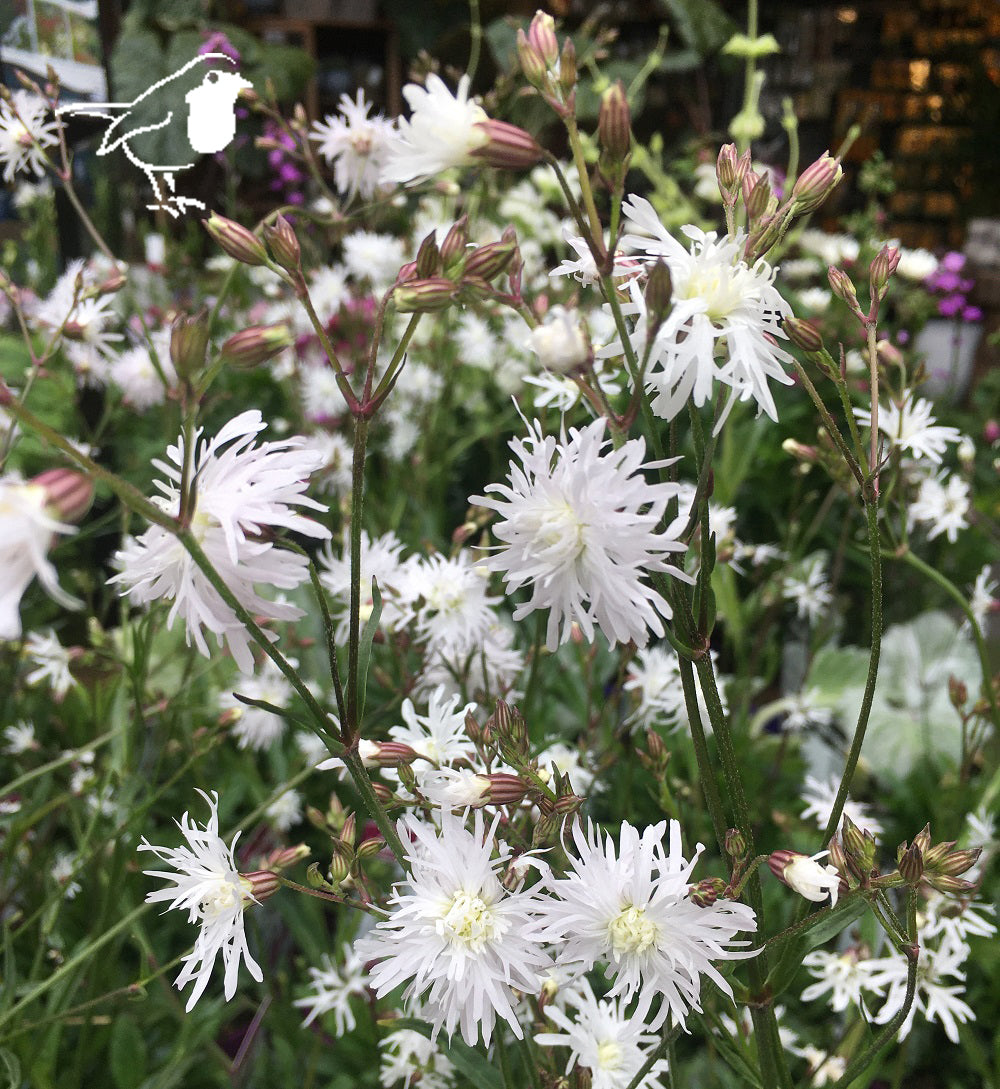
(706, 773)
(831, 427)
(475, 38)
(67, 758)
(871, 510)
(664, 1047)
(351, 727)
(576, 147)
(362, 780)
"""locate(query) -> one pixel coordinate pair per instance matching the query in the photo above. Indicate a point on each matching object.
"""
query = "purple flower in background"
(950, 305)
(216, 42)
(972, 313)
(287, 175)
(948, 282)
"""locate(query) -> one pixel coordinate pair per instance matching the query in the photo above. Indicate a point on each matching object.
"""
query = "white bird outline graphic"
(211, 125)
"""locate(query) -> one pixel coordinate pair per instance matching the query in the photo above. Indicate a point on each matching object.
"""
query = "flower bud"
(509, 727)
(815, 183)
(68, 493)
(958, 693)
(370, 847)
(507, 146)
(425, 296)
(542, 37)
(284, 857)
(340, 863)
(283, 244)
(803, 334)
(614, 123)
(725, 168)
(955, 863)
(486, 262)
(706, 892)
(505, 789)
(758, 197)
(428, 258)
(348, 834)
(260, 885)
(533, 64)
(242, 245)
(112, 283)
(911, 865)
(736, 845)
(950, 886)
(567, 67)
(251, 347)
(881, 269)
(454, 245)
(859, 844)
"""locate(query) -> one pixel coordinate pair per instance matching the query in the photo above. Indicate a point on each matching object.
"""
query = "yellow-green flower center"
(470, 921)
(632, 931)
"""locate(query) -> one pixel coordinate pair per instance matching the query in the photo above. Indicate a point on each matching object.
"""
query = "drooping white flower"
(580, 527)
(49, 661)
(820, 795)
(135, 374)
(942, 504)
(333, 987)
(560, 342)
(355, 144)
(443, 130)
(630, 907)
(456, 938)
(212, 891)
(831, 249)
(285, 811)
(242, 490)
(601, 1037)
(584, 268)
(720, 305)
(806, 876)
(27, 530)
(654, 678)
(24, 134)
(911, 427)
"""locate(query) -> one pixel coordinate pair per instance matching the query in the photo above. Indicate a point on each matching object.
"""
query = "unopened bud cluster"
(455, 271)
(550, 70)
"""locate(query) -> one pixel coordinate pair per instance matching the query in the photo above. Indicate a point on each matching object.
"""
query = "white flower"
(406, 1053)
(569, 761)
(138, 379)
(254, 727)
(580, 527)
(20, 738)
(379, 560)
(820, 795)
(847, 976)
(374, 257)
(50, 661)
(806, 876)
(912, 427)
(26, 532)
(322, 398)
(560, 342)
(242, 490)
(454, 788)
(560, 392)
(486, 670)
(631, 907)
(285, 811)
(584, 268)
(355, 144)
(478, 345)
(64, 865)
(439, 735)
(443, 130)
(940, 984)
(449, 600)
(456, 937)
(328, 291)
(916, 264)
(719, 302)
(209, 887)
(808, 588)
(334, 476)
(612, 1045)
(654, 676)
(333, 986)
(831, 249)
(24, 134)
(942, 503)
(815, 299)
(824, 1068)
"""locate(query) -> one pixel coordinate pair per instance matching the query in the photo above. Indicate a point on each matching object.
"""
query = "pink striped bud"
(507, 146)
(815, 183)
(242, 245)
(68, 493)
(251, 347)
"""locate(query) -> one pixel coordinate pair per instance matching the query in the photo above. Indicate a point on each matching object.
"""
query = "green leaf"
(467, 1060)
(11, 1066)
(365, 650)
(127, 1053)
(702, 25)
(827, 925)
